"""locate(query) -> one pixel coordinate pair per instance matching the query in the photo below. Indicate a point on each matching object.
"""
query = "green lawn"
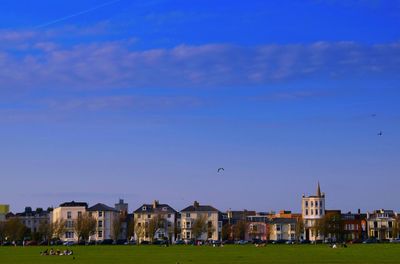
(384, 253)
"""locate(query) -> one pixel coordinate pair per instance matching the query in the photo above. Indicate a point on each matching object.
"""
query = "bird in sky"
(220, 169)
(380, 133)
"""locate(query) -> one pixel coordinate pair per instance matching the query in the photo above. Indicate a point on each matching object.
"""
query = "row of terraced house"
(205, 222)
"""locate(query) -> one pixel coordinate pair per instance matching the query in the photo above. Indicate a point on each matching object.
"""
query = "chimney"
(155, 204)
(196, 204)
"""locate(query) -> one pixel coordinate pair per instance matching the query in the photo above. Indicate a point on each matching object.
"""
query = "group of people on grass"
(56, 252)
(334, 245)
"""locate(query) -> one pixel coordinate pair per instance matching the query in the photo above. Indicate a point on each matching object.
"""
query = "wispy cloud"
(116, 64)
(118, 103)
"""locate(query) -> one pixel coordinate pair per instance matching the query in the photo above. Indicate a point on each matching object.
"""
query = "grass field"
(373, 253)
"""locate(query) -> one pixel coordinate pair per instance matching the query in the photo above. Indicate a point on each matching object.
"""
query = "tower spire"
(318, 190)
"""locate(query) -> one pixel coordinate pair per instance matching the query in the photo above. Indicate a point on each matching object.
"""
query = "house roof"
(158, 208)
(74, 204)
(200, 208)
(29, 212)
(101, 207)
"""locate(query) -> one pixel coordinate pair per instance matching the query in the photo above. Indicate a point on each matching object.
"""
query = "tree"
(154, 224)
(239, 230)
(396, 227)
(46, 231)
(139, 231)
(199, 226)
(226, 231)
(15, 229)
(58, 228)
(299, 229)
(330, 226)
(85, 226)
(2, 231)
(116, 228)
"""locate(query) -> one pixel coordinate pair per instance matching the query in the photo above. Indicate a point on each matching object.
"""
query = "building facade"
(105, 217)
(69, 212)
(165, 226)
(211, 216)
(354, 226)
(33, 219)
(382, 224)
(283, 229)
(124, 218)
(312, 211)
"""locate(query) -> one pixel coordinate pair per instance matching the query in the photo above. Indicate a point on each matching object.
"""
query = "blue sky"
(145, 100)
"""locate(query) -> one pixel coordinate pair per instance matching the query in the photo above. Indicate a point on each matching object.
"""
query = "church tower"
(312, 210)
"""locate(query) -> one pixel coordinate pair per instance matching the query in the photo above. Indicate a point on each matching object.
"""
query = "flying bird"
(220, 169)
(380, 133)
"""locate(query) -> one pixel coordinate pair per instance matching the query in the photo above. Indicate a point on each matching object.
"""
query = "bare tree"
(226, 231)
(240, 229)
(85, 226)
(396, 227)
(154, 224)
(116, 228)
(46, 231)
(199, 226)
(139, 231)
(299, 229)
(58, 228)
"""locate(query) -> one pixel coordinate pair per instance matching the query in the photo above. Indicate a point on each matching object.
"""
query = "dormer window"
(164, 208)
(144, 208)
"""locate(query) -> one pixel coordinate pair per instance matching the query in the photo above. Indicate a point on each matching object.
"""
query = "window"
(69, 215)
(390, 223)
(375, 224)
(209, 214)
(316, 203)
(306, 211)
(169, 224)
(187, 235)
(320, 211)
(79, 214)
(312, 212)
(187, 224)
(100, 233)
(278, 227)
(312, 204)
(100, 223)
(306, 203)
(149, 216)
(69, 224)
(69, 234)
(187, 214)
(169, 215)
(320, 203)
(139, 224)
(139, 216)
(144, 208)
(316, 211)
(100, 214)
